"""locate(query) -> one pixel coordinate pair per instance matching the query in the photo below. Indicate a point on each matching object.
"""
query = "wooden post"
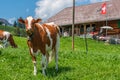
(85, 32)
(73, 24)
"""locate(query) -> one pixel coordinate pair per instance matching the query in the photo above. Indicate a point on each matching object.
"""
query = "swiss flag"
(103, 11)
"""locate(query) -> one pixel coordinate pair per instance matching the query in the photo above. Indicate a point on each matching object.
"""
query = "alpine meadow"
(30, 29)
(102, 62)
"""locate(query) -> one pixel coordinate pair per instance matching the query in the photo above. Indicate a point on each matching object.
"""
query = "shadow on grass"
(51, 71)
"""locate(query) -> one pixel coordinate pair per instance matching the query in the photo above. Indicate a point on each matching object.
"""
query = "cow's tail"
(58, 30)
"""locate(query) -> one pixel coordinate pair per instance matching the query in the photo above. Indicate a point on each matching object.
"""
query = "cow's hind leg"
(44, 62)
(47, 59)
(56, 60)
(55, 54)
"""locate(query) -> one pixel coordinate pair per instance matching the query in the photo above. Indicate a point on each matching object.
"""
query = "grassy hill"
(14, 30)
(101, 63)
(7, 28)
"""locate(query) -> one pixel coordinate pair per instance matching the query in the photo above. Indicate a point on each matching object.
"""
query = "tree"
(17, 31)
(1, 23)
(21, 25)
(15, 24)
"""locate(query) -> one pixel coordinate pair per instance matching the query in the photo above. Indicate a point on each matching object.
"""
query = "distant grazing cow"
(43, 38)
(6, 37)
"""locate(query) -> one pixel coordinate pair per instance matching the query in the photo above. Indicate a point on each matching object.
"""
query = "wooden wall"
(80, 28)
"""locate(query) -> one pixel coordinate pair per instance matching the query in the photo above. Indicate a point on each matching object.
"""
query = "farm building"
(89, 18)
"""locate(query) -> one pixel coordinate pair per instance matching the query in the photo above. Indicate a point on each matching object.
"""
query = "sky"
(11, 10)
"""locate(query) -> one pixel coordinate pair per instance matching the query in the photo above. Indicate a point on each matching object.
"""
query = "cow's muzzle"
(29, 32)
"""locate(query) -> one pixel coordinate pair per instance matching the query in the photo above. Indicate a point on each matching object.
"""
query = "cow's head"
(29, 24)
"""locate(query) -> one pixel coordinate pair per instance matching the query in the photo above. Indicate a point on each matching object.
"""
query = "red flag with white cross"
(103, 11)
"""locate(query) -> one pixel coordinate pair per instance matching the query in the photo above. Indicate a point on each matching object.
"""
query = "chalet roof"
(87, 13)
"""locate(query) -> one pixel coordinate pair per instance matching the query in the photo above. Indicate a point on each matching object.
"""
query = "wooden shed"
(88, 17)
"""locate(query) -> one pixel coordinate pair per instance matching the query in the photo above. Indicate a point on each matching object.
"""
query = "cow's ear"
(21, 21)
(38, 20)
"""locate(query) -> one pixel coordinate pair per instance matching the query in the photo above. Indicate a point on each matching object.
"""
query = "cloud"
(11, 20)
(48, 8)
(94, 1)
(105, 0)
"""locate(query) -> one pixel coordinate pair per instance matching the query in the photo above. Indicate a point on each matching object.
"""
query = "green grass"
(102, 62)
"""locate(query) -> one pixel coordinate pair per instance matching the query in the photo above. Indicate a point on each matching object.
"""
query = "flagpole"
(106, 24)
(104, 11)
(106, 15)
(106, 19)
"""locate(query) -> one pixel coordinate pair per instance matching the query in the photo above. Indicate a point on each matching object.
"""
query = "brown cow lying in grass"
(6, 38)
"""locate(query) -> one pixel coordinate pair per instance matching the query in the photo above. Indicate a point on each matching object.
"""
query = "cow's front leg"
(33, 56)
(34, 61)
(35, 68)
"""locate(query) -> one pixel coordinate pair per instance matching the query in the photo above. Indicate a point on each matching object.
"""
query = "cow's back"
(53, 28)
(52, 31)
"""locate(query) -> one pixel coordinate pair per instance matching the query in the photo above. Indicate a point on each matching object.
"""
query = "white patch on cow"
(6, 34)
(43, 59)
(34, 61)
(51, 42)
(5, 40)
(1, 46)
(51, 23)
(35, 68)
(29, 19)
(34, 54)
(31, 49)
(40, 26)
(58, 41)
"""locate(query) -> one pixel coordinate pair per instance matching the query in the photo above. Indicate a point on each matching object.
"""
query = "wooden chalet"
(89, 17)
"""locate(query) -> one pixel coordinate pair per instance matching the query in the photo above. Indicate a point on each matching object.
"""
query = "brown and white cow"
(44, 38)
(7, 38)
